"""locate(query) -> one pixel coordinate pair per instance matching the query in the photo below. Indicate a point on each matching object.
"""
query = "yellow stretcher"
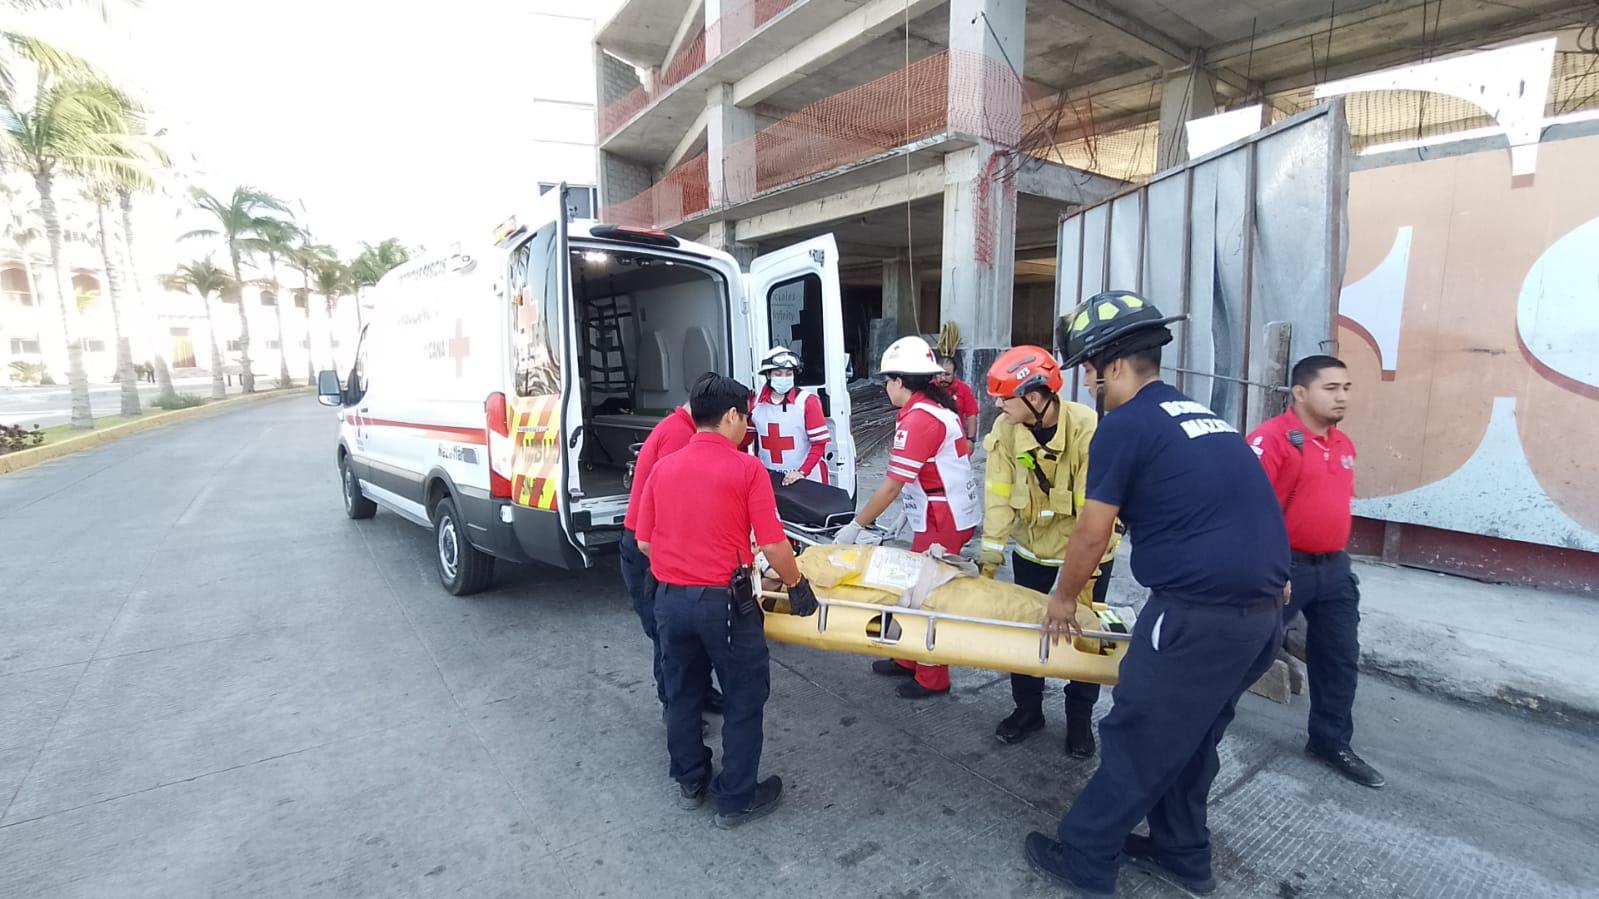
(947, 638)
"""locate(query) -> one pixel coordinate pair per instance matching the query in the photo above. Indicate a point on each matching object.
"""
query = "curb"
(17, 461)
(1504, 698)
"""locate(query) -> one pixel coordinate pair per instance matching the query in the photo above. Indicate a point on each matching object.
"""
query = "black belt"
(718, 593)
(1317, 558)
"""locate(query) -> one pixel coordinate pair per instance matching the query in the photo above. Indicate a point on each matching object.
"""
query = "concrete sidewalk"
(1482, 643)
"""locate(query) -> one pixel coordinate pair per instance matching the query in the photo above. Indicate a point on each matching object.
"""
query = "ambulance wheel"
(356, 505)
(463, 568)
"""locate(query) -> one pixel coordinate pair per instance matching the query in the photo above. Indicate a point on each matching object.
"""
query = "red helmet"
(1023, 368)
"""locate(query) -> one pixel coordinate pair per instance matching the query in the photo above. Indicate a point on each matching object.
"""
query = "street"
(46, 406)
(213, 683)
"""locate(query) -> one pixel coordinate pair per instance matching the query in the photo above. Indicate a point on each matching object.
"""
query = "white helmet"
(910, 356)
(778, 357)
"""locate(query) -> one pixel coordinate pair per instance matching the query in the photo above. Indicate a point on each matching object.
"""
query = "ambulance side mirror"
(328, 391)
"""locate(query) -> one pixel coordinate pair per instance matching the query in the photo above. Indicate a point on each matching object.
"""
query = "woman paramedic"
(930, 471)
(788, 426)
(1033, 487)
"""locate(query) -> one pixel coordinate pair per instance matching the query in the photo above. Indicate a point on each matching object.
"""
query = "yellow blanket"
(895, 577)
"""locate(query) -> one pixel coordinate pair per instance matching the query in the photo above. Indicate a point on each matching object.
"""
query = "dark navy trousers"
(636, 580)
(1179, 686)
(699, 632)
(1028, 691)
(1327, 591)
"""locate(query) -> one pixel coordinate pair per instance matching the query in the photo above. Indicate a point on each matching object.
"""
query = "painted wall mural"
(1470, 320)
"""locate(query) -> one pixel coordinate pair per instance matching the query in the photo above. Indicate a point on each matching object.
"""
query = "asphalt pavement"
(213, 683)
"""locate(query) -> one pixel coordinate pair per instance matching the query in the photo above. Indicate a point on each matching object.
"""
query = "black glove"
(802, 599)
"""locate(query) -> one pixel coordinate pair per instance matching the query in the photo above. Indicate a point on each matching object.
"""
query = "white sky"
(405, 118)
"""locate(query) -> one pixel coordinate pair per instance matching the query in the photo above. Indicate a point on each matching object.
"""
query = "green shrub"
(28, 372)
(17, 437)
(180, 401)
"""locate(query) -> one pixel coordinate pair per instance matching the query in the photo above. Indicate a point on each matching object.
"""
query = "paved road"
(211, 683)
(53, 405)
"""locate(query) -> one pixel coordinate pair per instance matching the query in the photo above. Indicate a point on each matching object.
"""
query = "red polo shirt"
(666, 438)
(1315, 484)
(699, 508)
(965, 399)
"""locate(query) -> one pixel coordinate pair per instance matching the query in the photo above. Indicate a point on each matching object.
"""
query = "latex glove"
(802, 599)
(792, 477)
(988, 570)
(848, 534)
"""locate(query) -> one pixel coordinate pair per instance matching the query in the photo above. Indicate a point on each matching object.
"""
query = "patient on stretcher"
(888, 576)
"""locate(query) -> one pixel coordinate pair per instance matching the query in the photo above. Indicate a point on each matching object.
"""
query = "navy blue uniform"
(1208, 540)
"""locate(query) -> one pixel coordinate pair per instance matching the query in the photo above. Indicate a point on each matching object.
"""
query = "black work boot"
(690, 797)
(1352, 766)
(1080, 737)
(1141, 853)
(768, 795)
(891, 668)
(1018, 724)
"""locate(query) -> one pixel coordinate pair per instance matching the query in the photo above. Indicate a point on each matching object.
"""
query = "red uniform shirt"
(965, 400)
(699, 508)
(666, 438)
(1315, 484)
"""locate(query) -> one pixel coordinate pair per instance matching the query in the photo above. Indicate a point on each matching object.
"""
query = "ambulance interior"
(648, 328)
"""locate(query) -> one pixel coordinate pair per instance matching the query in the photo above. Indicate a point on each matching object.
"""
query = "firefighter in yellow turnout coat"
(1036, 473)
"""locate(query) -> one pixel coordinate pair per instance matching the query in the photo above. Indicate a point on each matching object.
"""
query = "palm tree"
(371, 264)
(332, 280)
(204, 278)
(307, 259)
(69, 127)
(163, 374)
(101, 193)
(278, 240)
(238, 222)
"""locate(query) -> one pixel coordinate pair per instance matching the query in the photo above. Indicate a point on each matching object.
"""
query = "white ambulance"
(499, 392)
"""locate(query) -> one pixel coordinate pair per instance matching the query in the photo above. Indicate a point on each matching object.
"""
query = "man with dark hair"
(672, 434)
(1311, 464)
(1208, 541)
(697, 513)
(965, 400)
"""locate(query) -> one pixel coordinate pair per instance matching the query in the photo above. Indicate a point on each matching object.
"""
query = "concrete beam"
(868, 22)
(696, 133)
(920, 184)
(693, 23)
(1066, 184)
(1137, 38)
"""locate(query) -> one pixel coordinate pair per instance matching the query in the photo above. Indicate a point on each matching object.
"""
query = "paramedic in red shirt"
(788, 426)
(965, 400)
(930, 472)
(1311, 464)
(695, 519)
(671, 435)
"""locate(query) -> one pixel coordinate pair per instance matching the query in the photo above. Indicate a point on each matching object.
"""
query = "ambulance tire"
(356, 505)
(463, 568)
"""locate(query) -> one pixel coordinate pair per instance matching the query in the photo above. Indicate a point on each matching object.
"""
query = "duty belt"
(1317, 558)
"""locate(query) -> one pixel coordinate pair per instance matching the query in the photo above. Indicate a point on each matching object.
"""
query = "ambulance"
(499, 392)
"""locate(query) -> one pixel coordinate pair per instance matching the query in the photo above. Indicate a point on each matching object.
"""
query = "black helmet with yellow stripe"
(1111, 325)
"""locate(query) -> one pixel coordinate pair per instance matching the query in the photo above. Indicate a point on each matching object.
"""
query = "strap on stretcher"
(932, 622)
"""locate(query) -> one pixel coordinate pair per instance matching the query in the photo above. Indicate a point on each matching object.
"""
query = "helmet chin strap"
(1037, 424)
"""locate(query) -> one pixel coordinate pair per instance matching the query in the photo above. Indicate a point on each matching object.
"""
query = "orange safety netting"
(738, 21)
(955, 91)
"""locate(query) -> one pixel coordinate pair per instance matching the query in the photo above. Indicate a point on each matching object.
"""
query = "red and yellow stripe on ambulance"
(536, 457)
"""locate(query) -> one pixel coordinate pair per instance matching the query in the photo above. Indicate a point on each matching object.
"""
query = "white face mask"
(782, 384)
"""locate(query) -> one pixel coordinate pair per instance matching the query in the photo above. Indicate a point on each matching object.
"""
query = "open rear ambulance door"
(546, 419)
(795, 302)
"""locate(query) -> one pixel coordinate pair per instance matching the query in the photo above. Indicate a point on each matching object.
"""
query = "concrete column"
(1187, 95)
(729, 148)
(721, 237)
(901, 296)
(979, 248)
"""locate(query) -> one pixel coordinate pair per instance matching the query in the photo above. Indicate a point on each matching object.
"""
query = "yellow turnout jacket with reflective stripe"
(1015, 505)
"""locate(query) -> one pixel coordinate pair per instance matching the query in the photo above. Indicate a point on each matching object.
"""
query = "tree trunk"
(333, 330)
(247, 377)
(218, 391)
(163, 374)
(77, 378)
(310, 363)
(283, 338)
(113, 276)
